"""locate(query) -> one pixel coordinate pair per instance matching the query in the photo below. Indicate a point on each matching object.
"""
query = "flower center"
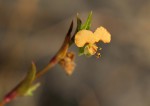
(90, 49)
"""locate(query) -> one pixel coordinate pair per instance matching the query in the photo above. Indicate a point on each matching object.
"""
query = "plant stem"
(52, 63)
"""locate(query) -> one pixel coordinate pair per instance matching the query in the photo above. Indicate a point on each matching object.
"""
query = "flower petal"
(83, 37)
(101, 34)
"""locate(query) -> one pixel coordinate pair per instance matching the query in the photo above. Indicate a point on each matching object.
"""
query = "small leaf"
(87, 24)
(22, 87)
(26, 83)
(32, 89)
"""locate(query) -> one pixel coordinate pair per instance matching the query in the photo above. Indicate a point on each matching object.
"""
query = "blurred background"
(35, 29)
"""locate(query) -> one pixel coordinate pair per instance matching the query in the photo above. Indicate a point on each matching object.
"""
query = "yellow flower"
(87, 39)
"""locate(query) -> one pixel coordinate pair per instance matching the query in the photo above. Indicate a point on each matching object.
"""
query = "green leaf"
(25, 86)
(27, 82)
(87, 24)
(30, 75)
(32, 89)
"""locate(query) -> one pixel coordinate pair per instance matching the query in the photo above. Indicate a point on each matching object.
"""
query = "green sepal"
(81, 51)
(87, 24)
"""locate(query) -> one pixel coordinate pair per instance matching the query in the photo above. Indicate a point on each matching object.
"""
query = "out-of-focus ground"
(35, 29)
